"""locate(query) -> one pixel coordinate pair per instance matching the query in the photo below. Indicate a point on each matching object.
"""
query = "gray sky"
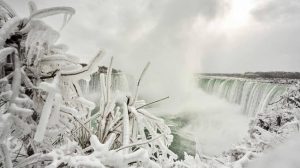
(197, 35)
(181, 36)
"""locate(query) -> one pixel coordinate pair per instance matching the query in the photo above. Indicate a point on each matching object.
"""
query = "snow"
(285, 155)
(41, 97)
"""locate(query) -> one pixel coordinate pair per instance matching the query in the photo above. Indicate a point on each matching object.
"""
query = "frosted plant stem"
(16, 84)
(32, 7)
(138, 84)
(41, 128)
(52, 89)
(156, 101)
(139, 143)
(5, 152)
(126, 129)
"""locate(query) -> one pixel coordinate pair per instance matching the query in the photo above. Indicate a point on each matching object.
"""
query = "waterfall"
(91, 88)
(253, 95)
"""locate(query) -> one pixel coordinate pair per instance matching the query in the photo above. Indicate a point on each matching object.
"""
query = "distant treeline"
(270, 75)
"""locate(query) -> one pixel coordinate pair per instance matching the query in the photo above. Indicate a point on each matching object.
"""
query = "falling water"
(214, 127)
(91, 88)
(253, 95)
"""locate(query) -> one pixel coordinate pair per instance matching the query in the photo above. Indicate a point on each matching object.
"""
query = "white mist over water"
(216, 124)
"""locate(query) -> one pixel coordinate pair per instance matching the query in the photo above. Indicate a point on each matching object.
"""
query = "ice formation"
(46, 120)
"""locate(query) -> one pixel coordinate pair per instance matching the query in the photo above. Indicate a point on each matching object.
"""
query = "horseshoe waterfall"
(253, 95)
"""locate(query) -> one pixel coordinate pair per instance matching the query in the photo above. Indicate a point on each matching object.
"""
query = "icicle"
(65, 21)
(52, 89)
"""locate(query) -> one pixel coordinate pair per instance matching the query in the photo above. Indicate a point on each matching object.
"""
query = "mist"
(181, 38)
(216, 124)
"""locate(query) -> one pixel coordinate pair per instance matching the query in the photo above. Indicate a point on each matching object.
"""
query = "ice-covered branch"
(32, 7)
(86, 71)
(138, 83)
(52, 89)
(126, 128)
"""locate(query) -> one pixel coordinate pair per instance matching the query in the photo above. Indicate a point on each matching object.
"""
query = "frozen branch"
(138, 84)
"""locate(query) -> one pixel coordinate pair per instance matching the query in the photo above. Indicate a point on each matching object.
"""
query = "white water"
(215, 123)
(253, 95)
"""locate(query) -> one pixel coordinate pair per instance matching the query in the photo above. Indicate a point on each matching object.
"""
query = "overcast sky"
(195, 35)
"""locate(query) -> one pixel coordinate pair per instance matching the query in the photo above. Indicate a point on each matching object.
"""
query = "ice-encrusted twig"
(16, 84)
(5, 124)
(41, 13)
(87, 70)
(140, 143)
(79, 121)
(138, 83)
(32, 7)
(6, 155)
(52, 89)
(156, 101)
(126, 129)
(26, 80)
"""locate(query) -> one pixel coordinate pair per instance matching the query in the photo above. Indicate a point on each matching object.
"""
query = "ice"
(52, 89)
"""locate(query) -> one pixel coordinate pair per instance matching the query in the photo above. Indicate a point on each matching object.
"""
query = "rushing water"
(219, 117)
(214, 123)
(215, 114)
(253, 95)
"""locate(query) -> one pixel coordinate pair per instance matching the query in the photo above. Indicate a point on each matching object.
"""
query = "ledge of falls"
(253, 95)
(219, 117)
(215, 114)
